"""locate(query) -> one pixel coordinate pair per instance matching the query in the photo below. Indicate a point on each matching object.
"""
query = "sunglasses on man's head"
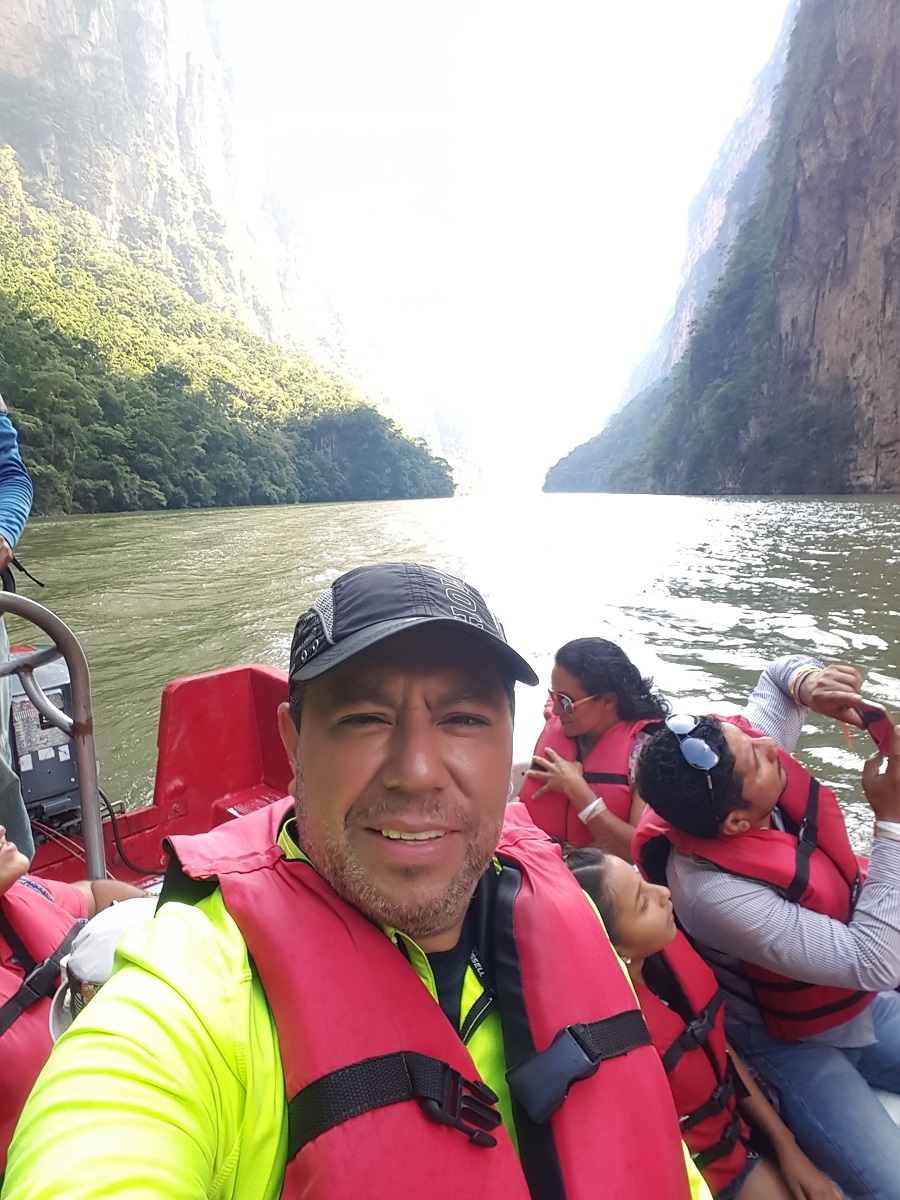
(566, 703)
(695, 750)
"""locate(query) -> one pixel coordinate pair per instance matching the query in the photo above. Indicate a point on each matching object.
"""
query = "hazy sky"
(497, 193)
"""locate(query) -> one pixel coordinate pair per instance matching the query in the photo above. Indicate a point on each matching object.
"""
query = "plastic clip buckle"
(467, 1105)
(42, 980)
(696, 1033)
(541, 1083)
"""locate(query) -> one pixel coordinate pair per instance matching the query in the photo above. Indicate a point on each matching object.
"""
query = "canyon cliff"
(128, 109)
(790, 377)
(716, 215)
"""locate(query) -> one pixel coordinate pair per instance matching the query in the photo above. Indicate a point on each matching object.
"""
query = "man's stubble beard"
(336, 862)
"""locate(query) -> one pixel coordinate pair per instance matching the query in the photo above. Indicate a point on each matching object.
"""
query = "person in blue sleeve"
(16, 494)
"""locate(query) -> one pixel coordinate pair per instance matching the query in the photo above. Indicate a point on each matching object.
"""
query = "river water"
(700, 592)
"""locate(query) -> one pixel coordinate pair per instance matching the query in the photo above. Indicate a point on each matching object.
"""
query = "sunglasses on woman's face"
(566, 703)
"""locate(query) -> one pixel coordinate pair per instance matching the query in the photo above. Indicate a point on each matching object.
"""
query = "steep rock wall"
(716, 214)
(836, 273)
(127, 108)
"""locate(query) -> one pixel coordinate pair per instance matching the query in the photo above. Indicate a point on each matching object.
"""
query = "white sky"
(496, 192)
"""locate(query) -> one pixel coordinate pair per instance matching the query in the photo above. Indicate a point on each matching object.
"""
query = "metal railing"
(80, 726)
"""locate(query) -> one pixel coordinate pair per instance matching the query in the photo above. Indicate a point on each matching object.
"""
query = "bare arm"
(806, 1181)
(101, 893)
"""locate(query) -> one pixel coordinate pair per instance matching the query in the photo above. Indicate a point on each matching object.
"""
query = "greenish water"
(700, 592)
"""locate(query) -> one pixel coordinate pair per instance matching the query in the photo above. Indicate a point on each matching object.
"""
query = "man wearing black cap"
(377, 987)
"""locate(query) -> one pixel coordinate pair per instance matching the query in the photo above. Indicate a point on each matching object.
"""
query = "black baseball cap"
(372, 603)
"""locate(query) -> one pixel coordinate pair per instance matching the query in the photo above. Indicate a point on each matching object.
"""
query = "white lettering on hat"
(458, 594)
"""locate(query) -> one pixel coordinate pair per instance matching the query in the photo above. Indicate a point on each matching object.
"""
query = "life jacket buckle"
(43, 979)
(467, 1105)
(696, 1033)
(541, 1082)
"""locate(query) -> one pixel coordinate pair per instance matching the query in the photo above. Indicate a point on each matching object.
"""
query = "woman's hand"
(806, 1182)
(558, 774)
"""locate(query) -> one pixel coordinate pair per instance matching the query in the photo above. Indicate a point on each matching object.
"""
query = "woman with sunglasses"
(579, 787)
(684, 1011)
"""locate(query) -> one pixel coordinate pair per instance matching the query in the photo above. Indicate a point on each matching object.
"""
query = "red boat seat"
(219, 756)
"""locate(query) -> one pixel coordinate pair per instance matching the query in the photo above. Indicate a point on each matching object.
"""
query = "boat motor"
(44, 756)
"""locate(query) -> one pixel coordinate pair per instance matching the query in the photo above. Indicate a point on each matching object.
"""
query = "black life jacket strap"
(597, 776)
(41, 981)
(540, 1082)
(21, 953)
(811, 1014)
(807, 841)
(714, 1105)
(445, 1095)
(695, 1034)
(723, 1146)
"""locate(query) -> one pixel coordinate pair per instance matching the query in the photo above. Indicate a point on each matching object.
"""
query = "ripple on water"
(701, 592)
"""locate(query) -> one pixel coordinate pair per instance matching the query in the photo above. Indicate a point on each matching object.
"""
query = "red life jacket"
(813, 865)
(349, 1008)
(35, 933)
(693, 1052)
(605, 769)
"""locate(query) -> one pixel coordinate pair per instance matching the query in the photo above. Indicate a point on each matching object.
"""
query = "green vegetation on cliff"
(128, 394)
(737, 415)
(607, 463)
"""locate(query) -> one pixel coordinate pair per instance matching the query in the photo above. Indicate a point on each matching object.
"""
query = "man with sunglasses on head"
(766, 884)
(379, 986)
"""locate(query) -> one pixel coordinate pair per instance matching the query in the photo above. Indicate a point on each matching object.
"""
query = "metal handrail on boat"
(80, 726)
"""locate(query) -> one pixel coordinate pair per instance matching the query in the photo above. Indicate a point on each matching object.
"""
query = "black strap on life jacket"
(445, 1095)
(598, 776)
(604, 777)
(540, 1081)
(718, 1100)
(695, 1034)
(807, 841)
(762, 987)
(41, 981)
(723, 1146)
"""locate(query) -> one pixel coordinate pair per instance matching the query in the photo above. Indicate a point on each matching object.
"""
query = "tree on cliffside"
(129, 395)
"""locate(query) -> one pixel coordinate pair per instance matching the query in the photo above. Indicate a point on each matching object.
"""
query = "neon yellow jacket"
(192, 1101)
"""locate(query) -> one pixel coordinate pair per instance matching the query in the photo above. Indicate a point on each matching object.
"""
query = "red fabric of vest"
(607, 763)
(41, 925)
(699, 1072)
(341, 992)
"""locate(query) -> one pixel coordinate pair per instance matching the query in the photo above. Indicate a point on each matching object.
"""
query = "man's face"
(763, 777)
(403, 761)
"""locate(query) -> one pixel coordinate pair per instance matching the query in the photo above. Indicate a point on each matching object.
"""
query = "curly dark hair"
(601, 666)
(680, 792)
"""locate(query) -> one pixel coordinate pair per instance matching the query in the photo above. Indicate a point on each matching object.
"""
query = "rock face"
(127, 108)
(791, 377)
(836, 276)
(716, 214)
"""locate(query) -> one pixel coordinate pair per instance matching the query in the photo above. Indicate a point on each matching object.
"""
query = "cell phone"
(879, 724)
(536, 766)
